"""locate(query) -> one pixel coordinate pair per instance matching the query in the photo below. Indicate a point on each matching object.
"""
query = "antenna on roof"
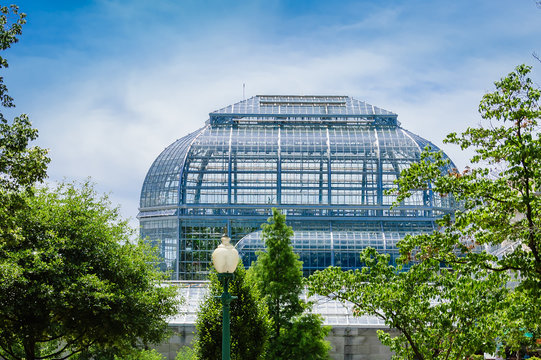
(244, 91)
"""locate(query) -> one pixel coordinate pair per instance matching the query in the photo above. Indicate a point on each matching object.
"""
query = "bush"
(186, 353)
(142, 355)
(94, 353)
(477, 357)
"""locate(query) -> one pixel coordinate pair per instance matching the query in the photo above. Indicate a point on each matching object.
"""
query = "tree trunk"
(29, 349)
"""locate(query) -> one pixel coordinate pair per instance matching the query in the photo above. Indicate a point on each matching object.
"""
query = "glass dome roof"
(325, 161)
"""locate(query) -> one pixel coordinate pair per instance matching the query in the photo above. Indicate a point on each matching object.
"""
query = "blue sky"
(110, 83)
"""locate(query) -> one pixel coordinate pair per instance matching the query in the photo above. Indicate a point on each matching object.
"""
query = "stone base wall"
(352, 343)
(348, 343)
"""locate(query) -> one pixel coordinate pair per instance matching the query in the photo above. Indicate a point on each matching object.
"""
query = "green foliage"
(142, 355)
(186, 353)
(278, 272)
(521, 315)
(454, 313)
(501, 197)
(69, 277)
(476, 357)
(96, 353)
(11, 23)
(303, 339)
(73, 279)
(249, 323)
(20, 165)
(440, 312)
(278, 276)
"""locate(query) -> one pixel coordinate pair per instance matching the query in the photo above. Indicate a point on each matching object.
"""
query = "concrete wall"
(348, 343)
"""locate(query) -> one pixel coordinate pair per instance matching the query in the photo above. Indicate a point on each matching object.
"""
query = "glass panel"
(162, 233)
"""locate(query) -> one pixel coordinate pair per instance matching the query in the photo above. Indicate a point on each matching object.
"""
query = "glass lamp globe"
(225, 258)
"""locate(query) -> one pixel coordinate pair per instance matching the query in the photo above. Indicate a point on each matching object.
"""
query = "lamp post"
(225, 259)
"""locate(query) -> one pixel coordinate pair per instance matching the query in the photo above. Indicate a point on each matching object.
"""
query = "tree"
(295, 334)
(21, 166)
(303, 339)
(501, 194)
(10, 30)
(500, 209)
(440, 312)
(69, 277)
(75, 279)
(249, 322)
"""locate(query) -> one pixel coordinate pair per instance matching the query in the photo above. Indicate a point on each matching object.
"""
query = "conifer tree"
(249, 323)
(295, 333)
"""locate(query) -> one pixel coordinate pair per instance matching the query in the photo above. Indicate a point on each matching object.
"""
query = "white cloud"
(112, 118)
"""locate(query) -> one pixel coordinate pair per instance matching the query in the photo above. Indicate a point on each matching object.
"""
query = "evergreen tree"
(278, 275)
(249, 323)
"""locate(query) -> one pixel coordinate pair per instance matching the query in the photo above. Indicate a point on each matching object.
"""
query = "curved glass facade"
(325, 161)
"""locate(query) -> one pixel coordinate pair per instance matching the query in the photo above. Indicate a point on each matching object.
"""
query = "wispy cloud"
(130, 78)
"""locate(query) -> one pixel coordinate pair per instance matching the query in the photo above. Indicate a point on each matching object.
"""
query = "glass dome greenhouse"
(324, 161)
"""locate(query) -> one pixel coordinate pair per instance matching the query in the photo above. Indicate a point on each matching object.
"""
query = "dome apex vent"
(303, 108)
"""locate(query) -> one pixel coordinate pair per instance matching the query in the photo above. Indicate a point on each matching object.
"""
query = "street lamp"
(225, 259)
